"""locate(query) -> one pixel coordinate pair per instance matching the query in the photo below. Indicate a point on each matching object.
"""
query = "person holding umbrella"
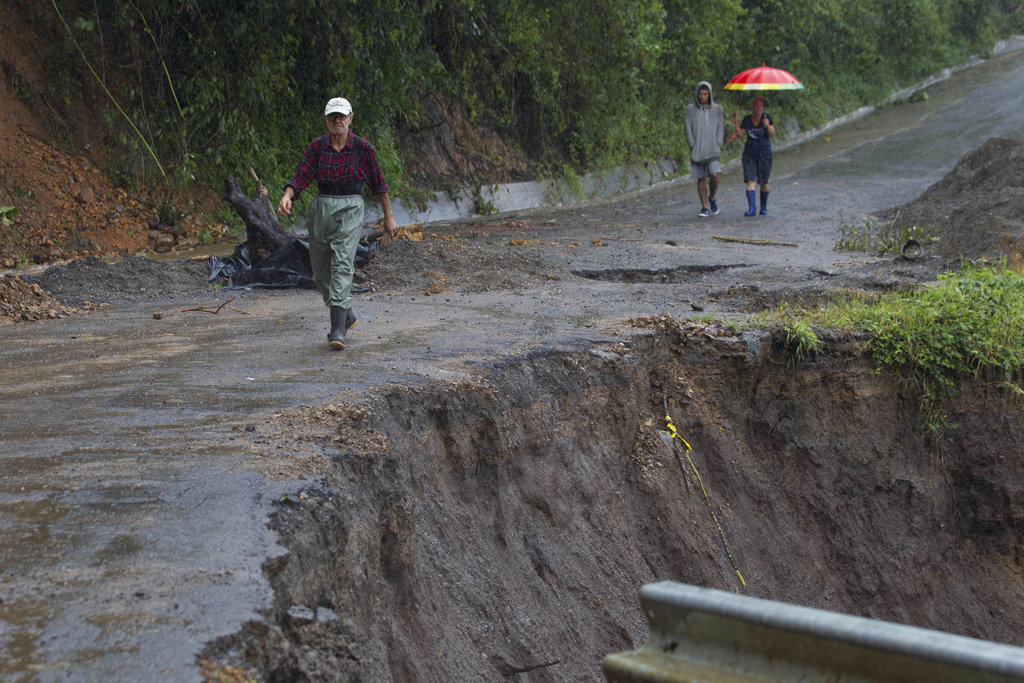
(704, 126)
(758, 129)
(339, 162)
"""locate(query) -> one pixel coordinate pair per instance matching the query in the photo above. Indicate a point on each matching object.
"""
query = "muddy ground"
(478, 485)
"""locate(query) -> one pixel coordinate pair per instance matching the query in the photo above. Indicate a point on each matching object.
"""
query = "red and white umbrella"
(764, 78)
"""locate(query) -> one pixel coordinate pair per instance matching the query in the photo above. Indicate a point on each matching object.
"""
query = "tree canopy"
(209, 88)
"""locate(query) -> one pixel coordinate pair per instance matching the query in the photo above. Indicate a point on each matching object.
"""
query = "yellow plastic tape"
(671, 429)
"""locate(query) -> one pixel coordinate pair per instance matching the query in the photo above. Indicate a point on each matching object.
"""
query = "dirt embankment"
(553, 477)
(979, 206)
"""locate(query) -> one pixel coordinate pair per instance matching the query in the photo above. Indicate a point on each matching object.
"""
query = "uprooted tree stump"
(264, 234)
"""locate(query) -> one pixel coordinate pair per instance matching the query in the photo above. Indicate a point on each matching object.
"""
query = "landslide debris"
(133, 278)
(979, 206)
(22, 301)
(64, 207)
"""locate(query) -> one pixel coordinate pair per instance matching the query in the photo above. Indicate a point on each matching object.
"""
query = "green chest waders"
(335, 227)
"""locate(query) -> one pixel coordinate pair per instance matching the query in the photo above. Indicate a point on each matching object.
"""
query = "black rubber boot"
(342, 320)
(336, 337)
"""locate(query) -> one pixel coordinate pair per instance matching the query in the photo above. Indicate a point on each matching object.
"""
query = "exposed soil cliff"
(502, 526)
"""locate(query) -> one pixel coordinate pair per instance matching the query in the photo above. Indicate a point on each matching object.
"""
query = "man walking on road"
(704, 125)
(340, 162)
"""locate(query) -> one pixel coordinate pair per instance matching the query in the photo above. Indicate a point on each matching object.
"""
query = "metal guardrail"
(699, 634)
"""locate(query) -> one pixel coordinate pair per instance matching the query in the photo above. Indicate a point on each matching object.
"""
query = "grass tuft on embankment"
(968, 322)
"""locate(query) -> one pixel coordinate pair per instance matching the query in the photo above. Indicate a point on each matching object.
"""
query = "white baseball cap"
(338, 105)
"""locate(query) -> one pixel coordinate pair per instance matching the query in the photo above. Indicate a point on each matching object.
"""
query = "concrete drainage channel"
(499, 528)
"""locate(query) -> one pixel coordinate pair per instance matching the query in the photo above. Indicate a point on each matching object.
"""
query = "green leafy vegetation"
(482, 205)
(882, 239)
(970, 323)
(197, 90)
(801, 341)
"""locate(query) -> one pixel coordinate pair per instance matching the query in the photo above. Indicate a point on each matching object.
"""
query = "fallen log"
(264, 234)
(271, 255)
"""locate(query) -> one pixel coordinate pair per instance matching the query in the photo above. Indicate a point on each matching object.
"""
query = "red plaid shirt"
(356, 161)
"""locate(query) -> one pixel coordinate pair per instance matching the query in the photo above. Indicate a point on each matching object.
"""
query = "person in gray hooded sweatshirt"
(704, 125)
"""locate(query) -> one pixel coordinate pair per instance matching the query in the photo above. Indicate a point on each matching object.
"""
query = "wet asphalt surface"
(133, 522)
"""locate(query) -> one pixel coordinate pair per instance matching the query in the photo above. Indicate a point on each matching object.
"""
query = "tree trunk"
(264, 234)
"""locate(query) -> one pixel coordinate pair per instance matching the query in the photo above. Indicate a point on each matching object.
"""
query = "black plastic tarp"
(286, 267)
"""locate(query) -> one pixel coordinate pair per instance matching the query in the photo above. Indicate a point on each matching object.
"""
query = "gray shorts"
(705, 168)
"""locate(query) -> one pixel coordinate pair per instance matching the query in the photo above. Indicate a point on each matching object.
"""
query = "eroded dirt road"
(139, 456)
